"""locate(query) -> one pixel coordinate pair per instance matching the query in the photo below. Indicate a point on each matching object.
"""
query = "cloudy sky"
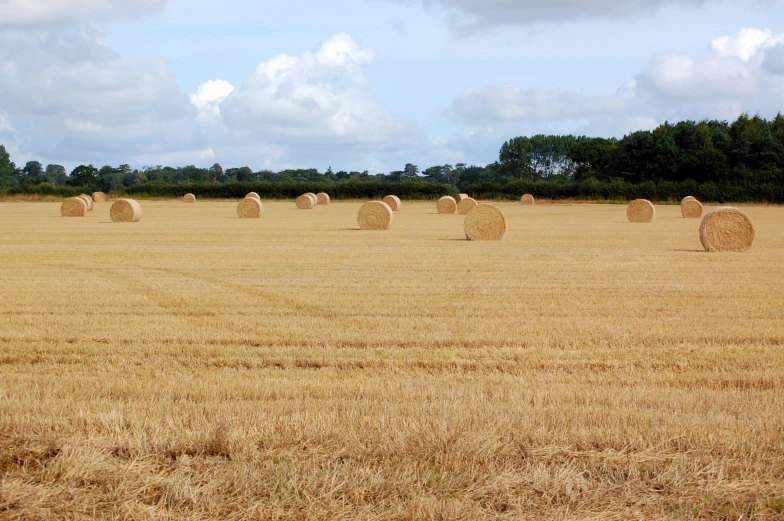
(368, 84)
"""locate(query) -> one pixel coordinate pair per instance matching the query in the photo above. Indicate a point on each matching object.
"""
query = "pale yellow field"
(199, 366)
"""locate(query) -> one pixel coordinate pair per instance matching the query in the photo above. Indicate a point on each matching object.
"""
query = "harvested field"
(294, 367)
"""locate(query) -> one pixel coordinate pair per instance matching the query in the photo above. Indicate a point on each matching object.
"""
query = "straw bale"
(460, 197)
(305, 202)
(485, 222)
(687, 198)
(393, 202)
(125, 211)
(73, 207)
(640, 211)
(314, 197)
(253, 195)
(375, 215)
(88, 201)
(249, 208)
(465, 205)
(691, 208)
(99, 197)
(726, 229)
(322, 198)
(446, 204)
(527, 199)
(188, 198)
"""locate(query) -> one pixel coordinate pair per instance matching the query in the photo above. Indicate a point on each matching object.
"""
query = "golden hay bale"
(687, 198)
(99, 197)
(254, 195)
(249, 208)
(726, 229)
(691, 208)
(640, 211)
(322, 198)
(188, 198)
(88, 201)
(485, 222)
(393, 202)
(305, 202)
(527, 199)
(125, 211)
(73, 207)
(375, 215)
(446, 204)
(460, 197)
(466, 204)
(313, 196)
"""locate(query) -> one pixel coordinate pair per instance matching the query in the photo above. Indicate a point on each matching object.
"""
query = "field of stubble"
(198, 366)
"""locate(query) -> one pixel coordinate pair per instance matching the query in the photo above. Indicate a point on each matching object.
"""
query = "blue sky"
(367, 84)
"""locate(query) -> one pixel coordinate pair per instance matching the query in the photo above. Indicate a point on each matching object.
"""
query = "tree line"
(721, 161)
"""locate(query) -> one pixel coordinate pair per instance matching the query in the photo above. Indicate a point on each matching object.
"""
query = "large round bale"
(691, 208)
(313, 196)
(527, 199)
(305, 202)
(393, 202)
(687, 198)
(73, 207)
(446, 204)
(125, 211)
(466, 204)
(726, 229)
(485, 222)
(375, 215)
(322, 198)
(188, 198)
(88, 201)
(99, 197)
(640, 211)
(460, 197)
(253, 195)
(249, 208)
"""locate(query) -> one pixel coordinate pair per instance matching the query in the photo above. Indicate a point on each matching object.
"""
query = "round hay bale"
(691, 208)
(253, 195)
(640, 211)
(125, 211)
(375, 215)
(188, 198)
(393, 202)
(73, 207)
(305, 202)
(687, 198)
(99, 197)
(465, 205)
(446, 204)
(313, 196)
(527, 199)
(88, 201)
(460, 197)
(322, 198)
(485, 222)
(726, 229)
(249, 208)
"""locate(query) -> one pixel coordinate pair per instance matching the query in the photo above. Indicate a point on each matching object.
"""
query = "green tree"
(84, 175)
(7, 168)
(56, 175)
(33, 173)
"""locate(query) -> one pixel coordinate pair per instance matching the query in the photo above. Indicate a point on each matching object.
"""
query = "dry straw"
(322, 198)
(88, 201)
(446, 204)
(249, 208)
(253, 195)
(485, 222)
(73, 207)
(125, 211)
(375, 215)
(527, 199)
(314, 197)
(393, 202)
(465, 205)
(726, 229)
(99, 197)
(687, 198)
(305, 202)
(691, 208)
(640, 211)
(188, 198)
(460, 197)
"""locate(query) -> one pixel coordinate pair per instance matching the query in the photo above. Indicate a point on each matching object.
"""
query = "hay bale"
(446, 204)
(73, 207)
(527, 199)
(125, 211)
(313, 196)
(249, 208)
(726, 229)
(305, 202)
(485, 222)
(88, 201)
(99, 197)
(188, 198)
(465, 205)
(691, 208)
(375, 215)
(393, 202)
(253, 195)
(640, 211)
(460, 197)
(322, 198)
(687, 198)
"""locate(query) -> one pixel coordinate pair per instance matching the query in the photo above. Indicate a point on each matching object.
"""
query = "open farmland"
(195, 365)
